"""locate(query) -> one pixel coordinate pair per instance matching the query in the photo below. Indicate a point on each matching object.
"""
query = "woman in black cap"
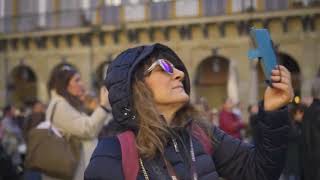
(149, 91)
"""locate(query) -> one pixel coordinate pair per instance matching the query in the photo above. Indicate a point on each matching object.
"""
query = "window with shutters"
(27, 15)
(273, 5)
(70, 14)
(134, 10)
(213, 7)
(187, 8)
(2, 16)
(244, 5)
(110, 12)
(160, 9)
(88, 11)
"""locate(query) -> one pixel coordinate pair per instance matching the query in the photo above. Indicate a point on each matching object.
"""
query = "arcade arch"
(211, 80)
(22, 85)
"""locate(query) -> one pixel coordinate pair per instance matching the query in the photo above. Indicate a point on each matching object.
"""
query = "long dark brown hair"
(153, 130)
(59, 79)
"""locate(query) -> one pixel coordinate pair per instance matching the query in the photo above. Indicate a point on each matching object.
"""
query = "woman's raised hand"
(281, 92)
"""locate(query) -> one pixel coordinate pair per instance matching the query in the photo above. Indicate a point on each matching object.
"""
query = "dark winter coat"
(7, 169)
(293, 165)
(232, 159)
(311, 133)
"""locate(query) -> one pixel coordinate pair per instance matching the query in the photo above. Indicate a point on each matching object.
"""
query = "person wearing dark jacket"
(7, 169)
(311, 135)
(149, 90)
(293, 165)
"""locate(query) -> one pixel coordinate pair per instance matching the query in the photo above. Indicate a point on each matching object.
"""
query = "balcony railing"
(116, 15)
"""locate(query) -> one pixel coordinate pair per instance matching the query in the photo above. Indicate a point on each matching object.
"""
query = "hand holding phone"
(264, 51)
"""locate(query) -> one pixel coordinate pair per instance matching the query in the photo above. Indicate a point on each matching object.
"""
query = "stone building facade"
(211, 37)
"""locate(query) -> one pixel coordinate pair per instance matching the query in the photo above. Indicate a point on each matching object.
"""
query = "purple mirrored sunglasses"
(164, 64)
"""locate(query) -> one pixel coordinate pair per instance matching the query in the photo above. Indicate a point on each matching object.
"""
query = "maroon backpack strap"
(130, 159)
(203, 138)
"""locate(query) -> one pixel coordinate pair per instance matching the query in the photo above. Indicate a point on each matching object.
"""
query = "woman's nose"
(178, 74)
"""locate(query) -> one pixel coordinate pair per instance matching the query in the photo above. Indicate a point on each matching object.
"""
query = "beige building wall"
(303, 46)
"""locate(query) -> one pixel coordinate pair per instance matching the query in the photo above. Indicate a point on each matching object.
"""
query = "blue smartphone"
(263, 50)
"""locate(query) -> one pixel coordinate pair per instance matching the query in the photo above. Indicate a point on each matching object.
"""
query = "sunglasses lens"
(166, 66)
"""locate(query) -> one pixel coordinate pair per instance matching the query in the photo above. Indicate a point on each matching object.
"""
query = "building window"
(273, 5)
(2, 16)
(157, 1)
(110, 12)
(27, 15)
(34, 14)
(213, 7)
(112, 2)
(187, 8)
(160, 9)
(301, 2)
(314, 3)
(134, 10)
(134, 1)
(43, 12)
(8, 8)
(70, 15)
(88, 11)
(244, 5)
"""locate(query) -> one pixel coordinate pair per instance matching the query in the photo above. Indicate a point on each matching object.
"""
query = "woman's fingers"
(281, 72)
(281, 86)
(280, 79)
(277, 72)
(282, 68)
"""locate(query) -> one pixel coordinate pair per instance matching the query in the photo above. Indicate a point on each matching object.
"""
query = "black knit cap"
(119, 80)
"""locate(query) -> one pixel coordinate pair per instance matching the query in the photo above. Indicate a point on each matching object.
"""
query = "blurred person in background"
(230, 122)
(253, 110)
(12, 134)
(8, 171)
(307, 100)
(293, 165)
(36, 116)
(236, 109)
(204, 106)
(67, 92)
(215, 117)
(311, 133)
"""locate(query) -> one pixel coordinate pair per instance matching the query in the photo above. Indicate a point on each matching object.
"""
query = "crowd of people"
(146, 94)
(73, 113)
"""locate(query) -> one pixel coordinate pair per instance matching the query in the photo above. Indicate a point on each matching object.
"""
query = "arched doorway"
(291, 65)
(211, 80)
(22, 85)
